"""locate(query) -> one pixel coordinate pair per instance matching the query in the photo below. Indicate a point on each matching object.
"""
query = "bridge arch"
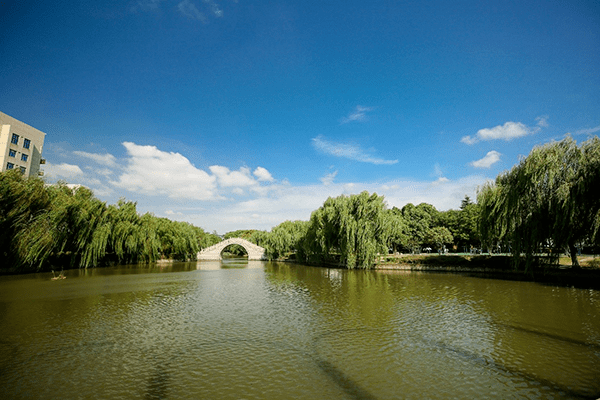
(214, 252)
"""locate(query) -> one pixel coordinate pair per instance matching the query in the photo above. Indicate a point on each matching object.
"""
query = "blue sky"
(243, 114)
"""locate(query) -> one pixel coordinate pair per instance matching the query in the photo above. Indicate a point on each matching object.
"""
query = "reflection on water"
(229, 262)
(257, 330)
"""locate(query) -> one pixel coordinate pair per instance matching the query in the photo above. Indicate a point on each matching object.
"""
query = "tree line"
(354, 230)
(547, 204)
(47, 226)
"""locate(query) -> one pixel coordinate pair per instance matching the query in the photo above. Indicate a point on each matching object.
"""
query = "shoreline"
(564, 275)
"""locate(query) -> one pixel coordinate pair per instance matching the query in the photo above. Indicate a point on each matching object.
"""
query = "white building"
(20, 146)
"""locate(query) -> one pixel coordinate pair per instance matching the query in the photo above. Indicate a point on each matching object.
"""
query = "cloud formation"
(490, 159)
(154, 172)
(587, 131)
(263, 175)
(189, 9)
(104, 159)
(227, 178)
(349, 151)
(328, 178)
(507, 132)
(62, 170)
(359, 114)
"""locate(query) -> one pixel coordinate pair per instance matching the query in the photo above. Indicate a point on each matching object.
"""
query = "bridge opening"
(234, 251)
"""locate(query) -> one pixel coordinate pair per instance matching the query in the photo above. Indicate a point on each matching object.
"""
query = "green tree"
(352, 227)
(438, 237)
(285, 238)
(21, 200)
(398, 230)
(419, 220)
(548, 200)
(45, 225)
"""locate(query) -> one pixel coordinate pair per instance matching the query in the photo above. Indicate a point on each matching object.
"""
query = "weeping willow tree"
(65, 229)
(44, 226)
(21, 201)
(548, 201)
(179, 240)
(285, 239)
(353, 227)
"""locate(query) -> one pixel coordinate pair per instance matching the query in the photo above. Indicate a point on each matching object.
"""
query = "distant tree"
(438, 237)
(419, 220)
(285, 238)
(354, 227)
(240, 233)
(259, 238)
(398, 230)
(465, 202)
(205, 239)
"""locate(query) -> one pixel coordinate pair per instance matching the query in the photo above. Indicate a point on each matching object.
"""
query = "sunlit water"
(239, 330)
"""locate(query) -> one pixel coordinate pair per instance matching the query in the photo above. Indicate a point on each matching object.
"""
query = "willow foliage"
(548, 200)
(354, 227)
(284, 239)
(44, 226)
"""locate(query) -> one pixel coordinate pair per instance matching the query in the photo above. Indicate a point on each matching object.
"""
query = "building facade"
(21, 146)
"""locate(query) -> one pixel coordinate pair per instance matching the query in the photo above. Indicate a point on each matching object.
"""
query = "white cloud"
(587, 131)
(359, 114)
(263, 175)
(104, 171)
(490, 159)
(104, 159)
(102, 190)
(508, 131)
(227, 178)
(214, 8)
(440, 180)
(62, 170)
(189, 9)
(328, 178)
(349, 151)
(542, 121)
(154, 172)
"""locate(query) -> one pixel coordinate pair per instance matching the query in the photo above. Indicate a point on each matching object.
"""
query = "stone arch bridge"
(214, 252)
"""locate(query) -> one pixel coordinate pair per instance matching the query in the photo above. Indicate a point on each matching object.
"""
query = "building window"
(23, 169)
(15, 139)
(12, 153)
(24, 157)
(10, 165)
(26, 143)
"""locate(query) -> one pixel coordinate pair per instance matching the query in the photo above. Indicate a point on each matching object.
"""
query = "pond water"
(262, 330)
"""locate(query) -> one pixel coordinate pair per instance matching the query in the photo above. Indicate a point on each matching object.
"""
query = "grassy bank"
(492, 262)
(500, 266)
